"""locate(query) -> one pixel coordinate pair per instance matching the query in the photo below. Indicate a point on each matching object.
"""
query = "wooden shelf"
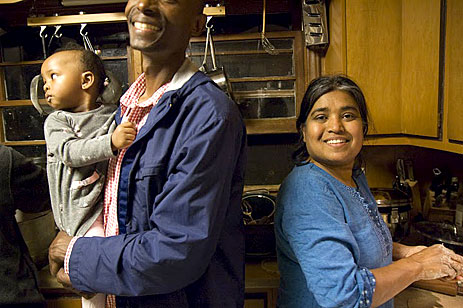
(23, 143)
(22, 102)
(100, 18)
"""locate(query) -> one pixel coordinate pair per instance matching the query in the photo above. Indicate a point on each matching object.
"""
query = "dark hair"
(317, 88)
(90, 62)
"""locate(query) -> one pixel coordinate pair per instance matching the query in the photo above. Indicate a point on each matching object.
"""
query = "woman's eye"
(320, 117)
(349, 116)
(53, 76)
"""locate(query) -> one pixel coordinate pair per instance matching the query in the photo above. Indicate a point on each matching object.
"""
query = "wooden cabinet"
(406, 56)
(453, 86)
(261, 283)
(268, 88)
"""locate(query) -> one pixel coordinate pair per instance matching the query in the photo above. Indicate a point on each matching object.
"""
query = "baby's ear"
(87, 80)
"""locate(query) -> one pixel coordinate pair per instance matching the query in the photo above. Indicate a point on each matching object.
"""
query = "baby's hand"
(123, 135)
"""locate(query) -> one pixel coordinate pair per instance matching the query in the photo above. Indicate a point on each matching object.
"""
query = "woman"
(334, 249)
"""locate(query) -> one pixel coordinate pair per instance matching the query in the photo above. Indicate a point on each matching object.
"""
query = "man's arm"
(188, 217)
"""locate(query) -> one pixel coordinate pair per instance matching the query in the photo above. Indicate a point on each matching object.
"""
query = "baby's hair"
(90, 62)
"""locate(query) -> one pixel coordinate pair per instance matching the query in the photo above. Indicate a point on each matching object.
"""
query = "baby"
(80, 138)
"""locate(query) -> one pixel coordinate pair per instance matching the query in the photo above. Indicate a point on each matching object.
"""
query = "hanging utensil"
(268, 47)
(217, 74)
(34, 88)
(87, 43)
(203, 67)
(56, 35)
(43, 36)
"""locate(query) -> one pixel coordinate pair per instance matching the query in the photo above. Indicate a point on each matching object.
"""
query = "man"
(177, 188)
(23, 186)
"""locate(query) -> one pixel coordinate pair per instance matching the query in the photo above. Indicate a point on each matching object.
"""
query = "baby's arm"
(64, 144)
(123, 136)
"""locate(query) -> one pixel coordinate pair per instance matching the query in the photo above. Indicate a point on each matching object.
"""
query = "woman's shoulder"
(308, 176)
(308, 192)
(305, 182)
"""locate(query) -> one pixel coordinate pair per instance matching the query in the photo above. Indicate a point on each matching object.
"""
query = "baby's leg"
(99, 300)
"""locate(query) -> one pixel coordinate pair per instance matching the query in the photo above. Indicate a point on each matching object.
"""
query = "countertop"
(263, 274)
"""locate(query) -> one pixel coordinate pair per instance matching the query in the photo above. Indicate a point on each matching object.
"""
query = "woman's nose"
(335, 125)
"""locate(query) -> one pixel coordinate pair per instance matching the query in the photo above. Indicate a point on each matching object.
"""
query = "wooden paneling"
(420, 67)
(374, 58)
(453, 89)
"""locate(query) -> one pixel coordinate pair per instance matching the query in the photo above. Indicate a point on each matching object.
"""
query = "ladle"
(268, 47)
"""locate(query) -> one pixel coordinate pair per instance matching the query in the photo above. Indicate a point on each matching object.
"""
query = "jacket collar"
(184, 73)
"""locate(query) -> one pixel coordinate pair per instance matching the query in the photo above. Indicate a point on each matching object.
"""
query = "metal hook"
(208, 19)
(57, 28)
(82, 27)
(42, 29)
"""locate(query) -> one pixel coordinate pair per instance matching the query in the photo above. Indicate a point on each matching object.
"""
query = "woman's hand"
(438, 261)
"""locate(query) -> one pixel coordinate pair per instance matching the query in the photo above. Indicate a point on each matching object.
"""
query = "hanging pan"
(217, 74)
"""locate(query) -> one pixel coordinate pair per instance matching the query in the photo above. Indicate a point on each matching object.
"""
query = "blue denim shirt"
(329, 236)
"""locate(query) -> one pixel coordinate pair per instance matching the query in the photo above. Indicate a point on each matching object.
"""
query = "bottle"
(459, 214)
(453, 193)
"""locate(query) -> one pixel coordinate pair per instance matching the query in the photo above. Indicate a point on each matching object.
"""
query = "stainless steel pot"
(258, 211)
(394, 207)
(443, 233)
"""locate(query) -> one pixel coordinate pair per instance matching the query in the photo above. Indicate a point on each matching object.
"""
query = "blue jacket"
(179, 202)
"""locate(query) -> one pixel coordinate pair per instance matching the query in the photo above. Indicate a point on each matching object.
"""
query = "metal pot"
(394, 207)
(441, 233)
(258, 211)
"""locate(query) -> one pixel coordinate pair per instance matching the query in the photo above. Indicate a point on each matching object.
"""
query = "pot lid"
(387, 197)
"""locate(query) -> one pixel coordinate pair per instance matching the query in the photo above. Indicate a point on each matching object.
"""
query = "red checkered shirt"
(137, 113)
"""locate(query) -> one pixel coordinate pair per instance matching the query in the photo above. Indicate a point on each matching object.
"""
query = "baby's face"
(63, 78)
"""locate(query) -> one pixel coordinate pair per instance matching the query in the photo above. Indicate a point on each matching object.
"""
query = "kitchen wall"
(269, 161)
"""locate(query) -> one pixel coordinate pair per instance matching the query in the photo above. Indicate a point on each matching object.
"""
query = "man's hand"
(57, 252)
(65, 280)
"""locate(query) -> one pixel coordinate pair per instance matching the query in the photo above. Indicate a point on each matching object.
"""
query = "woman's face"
(333, 131)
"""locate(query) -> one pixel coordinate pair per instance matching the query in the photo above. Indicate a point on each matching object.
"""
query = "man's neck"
(158, 73)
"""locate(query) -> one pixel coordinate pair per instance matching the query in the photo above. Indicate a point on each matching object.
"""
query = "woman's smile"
(333, 131)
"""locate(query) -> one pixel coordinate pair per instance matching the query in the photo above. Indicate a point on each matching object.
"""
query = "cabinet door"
(391, 49)
(420, 67)
(453, 70)
(373, 56)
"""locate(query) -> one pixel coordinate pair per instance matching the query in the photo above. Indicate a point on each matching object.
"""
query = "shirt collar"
(185, 72)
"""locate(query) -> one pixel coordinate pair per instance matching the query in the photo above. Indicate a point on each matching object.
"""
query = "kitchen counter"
(419, 298)
(262, 277)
